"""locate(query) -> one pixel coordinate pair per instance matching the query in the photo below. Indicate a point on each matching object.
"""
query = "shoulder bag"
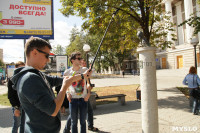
(196, 91)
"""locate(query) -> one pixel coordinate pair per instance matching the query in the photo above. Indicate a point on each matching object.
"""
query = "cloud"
(13, 50)
(61, 33)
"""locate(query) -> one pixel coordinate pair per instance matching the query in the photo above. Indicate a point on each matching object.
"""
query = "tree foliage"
(58, 50)
(133, 15)
(1, 63)
(112, 55)
(77, 40)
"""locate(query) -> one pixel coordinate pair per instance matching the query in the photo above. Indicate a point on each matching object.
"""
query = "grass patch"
(184, 90)
(4, 100)
(128, 90)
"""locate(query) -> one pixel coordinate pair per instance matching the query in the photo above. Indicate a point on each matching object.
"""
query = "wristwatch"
(16, 107)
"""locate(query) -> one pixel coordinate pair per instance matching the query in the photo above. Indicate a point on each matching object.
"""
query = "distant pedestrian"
(133, 72)
(123, 73)
(193, 82)
(2, 80)
(18, 112)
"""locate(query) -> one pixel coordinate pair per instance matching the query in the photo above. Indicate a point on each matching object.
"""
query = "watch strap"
(82, 76)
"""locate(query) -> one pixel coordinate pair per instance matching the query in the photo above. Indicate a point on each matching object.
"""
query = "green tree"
(112, 55)
(58, 50)
(74, 32)
(133, 15)
(75, 41)
(1, 64)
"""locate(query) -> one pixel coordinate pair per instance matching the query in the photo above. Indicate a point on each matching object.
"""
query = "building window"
(127, 65)
(173, 11)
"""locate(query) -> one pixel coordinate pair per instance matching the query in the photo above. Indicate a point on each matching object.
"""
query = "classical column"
(148, 84)
(198, 15)
(179, 21)
(168, 9)
(188, 11)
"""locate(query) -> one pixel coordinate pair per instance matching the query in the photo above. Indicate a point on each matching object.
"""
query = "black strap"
(47, 83)
(197, 82)
(193, 79)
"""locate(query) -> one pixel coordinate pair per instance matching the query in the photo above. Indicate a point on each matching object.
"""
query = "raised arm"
(66, 83)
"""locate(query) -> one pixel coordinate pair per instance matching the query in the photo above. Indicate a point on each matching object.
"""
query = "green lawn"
(4, 100)
(184, 90)
(128, 90)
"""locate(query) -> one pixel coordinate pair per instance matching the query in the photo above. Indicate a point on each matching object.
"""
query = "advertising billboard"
(20, 19)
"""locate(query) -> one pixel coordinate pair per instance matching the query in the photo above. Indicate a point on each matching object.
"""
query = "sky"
(13, 49)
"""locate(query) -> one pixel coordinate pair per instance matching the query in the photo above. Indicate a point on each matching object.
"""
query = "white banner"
(61, 63)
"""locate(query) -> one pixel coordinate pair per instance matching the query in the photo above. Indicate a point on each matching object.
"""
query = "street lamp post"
(195, 56)
(194, 42)
(102, 58)
(86, 48)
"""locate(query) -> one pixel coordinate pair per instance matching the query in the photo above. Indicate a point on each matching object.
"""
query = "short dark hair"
(19, 63)
(73, 55)
(35, 43)
(193, 70)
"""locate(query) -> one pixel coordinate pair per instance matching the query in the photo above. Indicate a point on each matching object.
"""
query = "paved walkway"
(174, 112)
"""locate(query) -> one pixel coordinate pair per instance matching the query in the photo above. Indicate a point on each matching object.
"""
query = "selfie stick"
(92, 85)
(103, 38)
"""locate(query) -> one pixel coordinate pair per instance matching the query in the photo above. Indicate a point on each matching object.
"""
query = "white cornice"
(178, 3)
(164, 1)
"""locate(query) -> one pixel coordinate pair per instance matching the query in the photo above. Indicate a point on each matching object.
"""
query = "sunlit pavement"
(174, 111)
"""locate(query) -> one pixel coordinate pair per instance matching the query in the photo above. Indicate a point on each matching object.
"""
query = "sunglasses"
(46, 54)
(78, 58)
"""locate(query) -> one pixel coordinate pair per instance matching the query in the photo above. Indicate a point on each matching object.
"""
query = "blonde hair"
(19, 63)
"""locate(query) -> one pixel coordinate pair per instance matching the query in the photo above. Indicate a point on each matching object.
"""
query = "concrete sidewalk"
(174, 111)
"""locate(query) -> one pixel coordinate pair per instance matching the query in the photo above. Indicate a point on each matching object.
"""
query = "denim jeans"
(196, 106)
(75, 106)
(67, 126)
(194, 103)
(90, 115)
(18, 121)
(89, 119)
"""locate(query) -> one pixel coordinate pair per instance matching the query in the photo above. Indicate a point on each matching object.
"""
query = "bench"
(93, 98)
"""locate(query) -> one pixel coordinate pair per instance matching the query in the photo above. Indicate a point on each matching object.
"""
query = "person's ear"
(34, 52)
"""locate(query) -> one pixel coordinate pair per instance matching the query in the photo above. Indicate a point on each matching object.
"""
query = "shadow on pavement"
(103, 132)
(176, 100)
(116, 107)
(5, 117)
(173, 89)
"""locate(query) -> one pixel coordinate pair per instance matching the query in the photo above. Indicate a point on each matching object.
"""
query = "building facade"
(182, 52)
